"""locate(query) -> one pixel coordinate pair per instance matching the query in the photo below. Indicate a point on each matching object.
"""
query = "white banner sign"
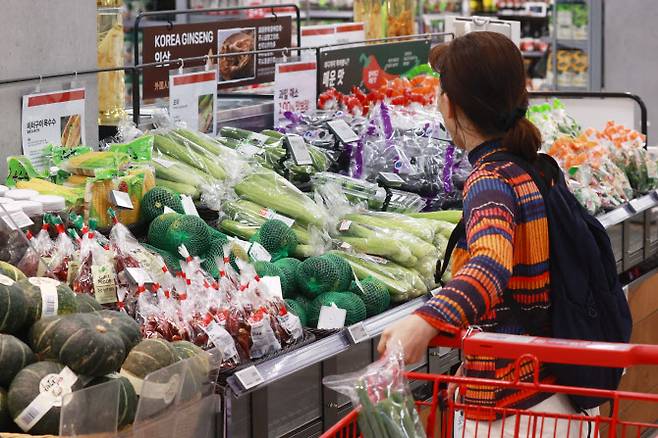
(324, 34)
(350, 33)
(193, 100)
(56, 118)
(294, 88)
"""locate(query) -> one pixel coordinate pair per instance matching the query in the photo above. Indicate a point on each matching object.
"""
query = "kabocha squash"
(14, 356)
(5, 418)
(87, 303)
(185, 349)
(127, 397)
(126, 327)
(146, 357)
(88, 345)
(27, 385)
(11, 271)
(58, 298)
(13, 306)
(40, 337)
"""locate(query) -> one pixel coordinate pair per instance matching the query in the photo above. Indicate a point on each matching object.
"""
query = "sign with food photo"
(171, 43)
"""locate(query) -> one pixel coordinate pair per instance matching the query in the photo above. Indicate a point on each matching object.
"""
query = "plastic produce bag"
(382, 394)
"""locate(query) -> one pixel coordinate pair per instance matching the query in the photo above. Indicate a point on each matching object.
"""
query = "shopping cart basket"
(528, 423)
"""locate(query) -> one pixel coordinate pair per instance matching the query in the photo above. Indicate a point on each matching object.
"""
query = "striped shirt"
(506, 251)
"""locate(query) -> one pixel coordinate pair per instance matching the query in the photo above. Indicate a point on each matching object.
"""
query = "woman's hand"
(413, 332)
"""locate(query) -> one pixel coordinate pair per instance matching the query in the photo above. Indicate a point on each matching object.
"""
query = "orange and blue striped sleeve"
(489, 217)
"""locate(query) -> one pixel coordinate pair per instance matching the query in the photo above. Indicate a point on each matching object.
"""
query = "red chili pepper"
(400, 100)
(359, 95)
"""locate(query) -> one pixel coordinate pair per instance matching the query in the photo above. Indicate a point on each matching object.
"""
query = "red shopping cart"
(528, 423)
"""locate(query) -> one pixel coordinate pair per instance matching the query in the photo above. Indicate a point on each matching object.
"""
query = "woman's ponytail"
(523, 139)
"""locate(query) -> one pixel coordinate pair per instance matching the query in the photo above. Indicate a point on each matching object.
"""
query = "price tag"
(105, 288)
(298, 150)
(357, 333)
(342, 131)
(331, 317)
(164, 163)
(273, 285)
(258, 253)
(49, 298)
(346, 246)
(193, 100)
(249, 377)
(391, 178)
(295, 85)
(139, 276)
(188, 205)
(249, 150)
(168, 210)
(344, 225)
(21, 220)
(271, 214)
(56, 118)
(642, 203)
(258, 138)
(121, 199)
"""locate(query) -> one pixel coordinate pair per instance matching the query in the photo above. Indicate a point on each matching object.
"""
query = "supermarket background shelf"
(573, 44)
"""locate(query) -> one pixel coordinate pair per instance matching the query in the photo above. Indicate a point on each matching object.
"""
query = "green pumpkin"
(11, 271)
(14, 356)
(127, 398)
(185, 349)
(88, 345)
(32, 289)
(146, 357)
(198, 362)
(87, 303)
(13, 306)
(126, 327)
(26, 387)
(40, 338)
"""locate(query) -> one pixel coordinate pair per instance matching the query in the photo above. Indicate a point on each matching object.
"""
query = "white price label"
(56, 118)
(331, 317)
(295, 85)
(168, 210)
(193, 100)
(188, 205)
(139, 276)
(21, 220)
(346, 246)
(271, 214)
(222, 340)
(344, 225)
(298, 150)
(6, 280)
(343, 131)
(643, 203)
(249, 377)
(273, 286)
(121, 199)
(258, 138)
(258, 253)
(357, 333)
(391, 178)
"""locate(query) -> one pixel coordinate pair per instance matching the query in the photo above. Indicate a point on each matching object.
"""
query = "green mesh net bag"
(216, 234)
(296, 308)
(188, 230)
(355, 307)
(267, 269)
(374, 294)
(158, 229)
(345, 275)
(172, 262)
(317, 275)
(156, 199)
(277, 238)
(304, 301)
(289, 266)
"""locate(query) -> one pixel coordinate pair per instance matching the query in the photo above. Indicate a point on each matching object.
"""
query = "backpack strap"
(457, 233)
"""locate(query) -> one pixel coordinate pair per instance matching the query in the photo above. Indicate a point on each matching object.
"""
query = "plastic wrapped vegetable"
(381, 393)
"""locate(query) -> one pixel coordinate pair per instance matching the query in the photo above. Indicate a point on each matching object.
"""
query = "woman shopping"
(501, 275)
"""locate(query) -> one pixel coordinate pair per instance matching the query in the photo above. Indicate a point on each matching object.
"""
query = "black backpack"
(587, 299)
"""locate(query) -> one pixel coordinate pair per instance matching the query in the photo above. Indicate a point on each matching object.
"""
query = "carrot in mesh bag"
(382, 393)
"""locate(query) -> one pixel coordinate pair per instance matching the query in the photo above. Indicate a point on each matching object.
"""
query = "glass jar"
(401, 16)
(371, 13)
(111, 85)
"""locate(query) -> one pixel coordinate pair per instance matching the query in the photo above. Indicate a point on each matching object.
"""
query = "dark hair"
(483, 75)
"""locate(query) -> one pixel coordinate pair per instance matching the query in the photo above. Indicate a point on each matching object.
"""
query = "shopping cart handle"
(549, 350)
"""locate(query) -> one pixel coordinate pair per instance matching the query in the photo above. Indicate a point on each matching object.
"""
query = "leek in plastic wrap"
(270, 190)
(402, 283)
(382, 394)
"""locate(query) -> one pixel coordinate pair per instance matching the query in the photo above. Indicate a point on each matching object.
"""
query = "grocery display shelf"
(316, 14)
(573, 44)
